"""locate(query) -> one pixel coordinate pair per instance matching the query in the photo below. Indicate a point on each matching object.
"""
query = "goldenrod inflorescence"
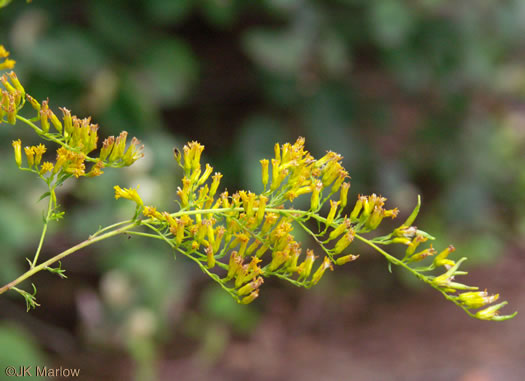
(77, 138)
(237, 239)
(242, 238)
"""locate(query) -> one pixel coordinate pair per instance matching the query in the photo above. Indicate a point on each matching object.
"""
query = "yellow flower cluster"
(250, 236)
(246, 237)
(77, 137)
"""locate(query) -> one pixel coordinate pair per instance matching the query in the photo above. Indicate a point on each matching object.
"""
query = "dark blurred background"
(421, 97)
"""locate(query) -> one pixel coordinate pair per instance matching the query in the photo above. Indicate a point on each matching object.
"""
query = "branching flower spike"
(240, 239)
(237, 239)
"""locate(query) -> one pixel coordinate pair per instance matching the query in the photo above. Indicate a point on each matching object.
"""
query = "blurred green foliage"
(422, 97)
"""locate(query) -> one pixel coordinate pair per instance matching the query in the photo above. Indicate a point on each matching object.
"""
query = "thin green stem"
(109, 227)
(64, 254)
(44, 229)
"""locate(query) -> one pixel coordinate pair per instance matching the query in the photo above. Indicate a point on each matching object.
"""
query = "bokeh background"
(421, 97)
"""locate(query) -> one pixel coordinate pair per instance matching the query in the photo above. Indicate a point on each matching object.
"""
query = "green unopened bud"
(422, 255)
(442, 260)
(250, 298)
(250, 287)
(345, 259)
(491, 312)
(414, 244)
(476, 299)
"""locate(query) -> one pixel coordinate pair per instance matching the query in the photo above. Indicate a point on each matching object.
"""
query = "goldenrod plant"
(237, 239)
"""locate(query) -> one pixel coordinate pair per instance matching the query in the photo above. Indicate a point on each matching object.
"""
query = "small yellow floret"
(127, 193)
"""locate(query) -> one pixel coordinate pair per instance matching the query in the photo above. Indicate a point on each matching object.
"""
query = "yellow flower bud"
(11, 113)
(259, 253)
(250, 298)
(276, 178)
(30, 155)
(314, 200)
(422, 255)
(17, 146)
(357, 208)
(331, 213)
(68, 122)
(96, 169)
(44, 120)
(345, 259)
(46, 167)
(250, 287)
(107, 144)
(33, 102)
(205, 175)
(441, 258)
(234, 265)
(39, 150)
(261, 208)
(10, 89)
(278, 258)
(490, 313)
(305, 268)
(128, 193)
(343, 198)
(215, 183)
(264, 165)
(321, 270)
(54, 120)
(119, 146)
(197, 151)
(343, 242)
(243, 239)
(209, 257)
(476, 299)
(344, 226)
(219, 234)
(16, 83)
